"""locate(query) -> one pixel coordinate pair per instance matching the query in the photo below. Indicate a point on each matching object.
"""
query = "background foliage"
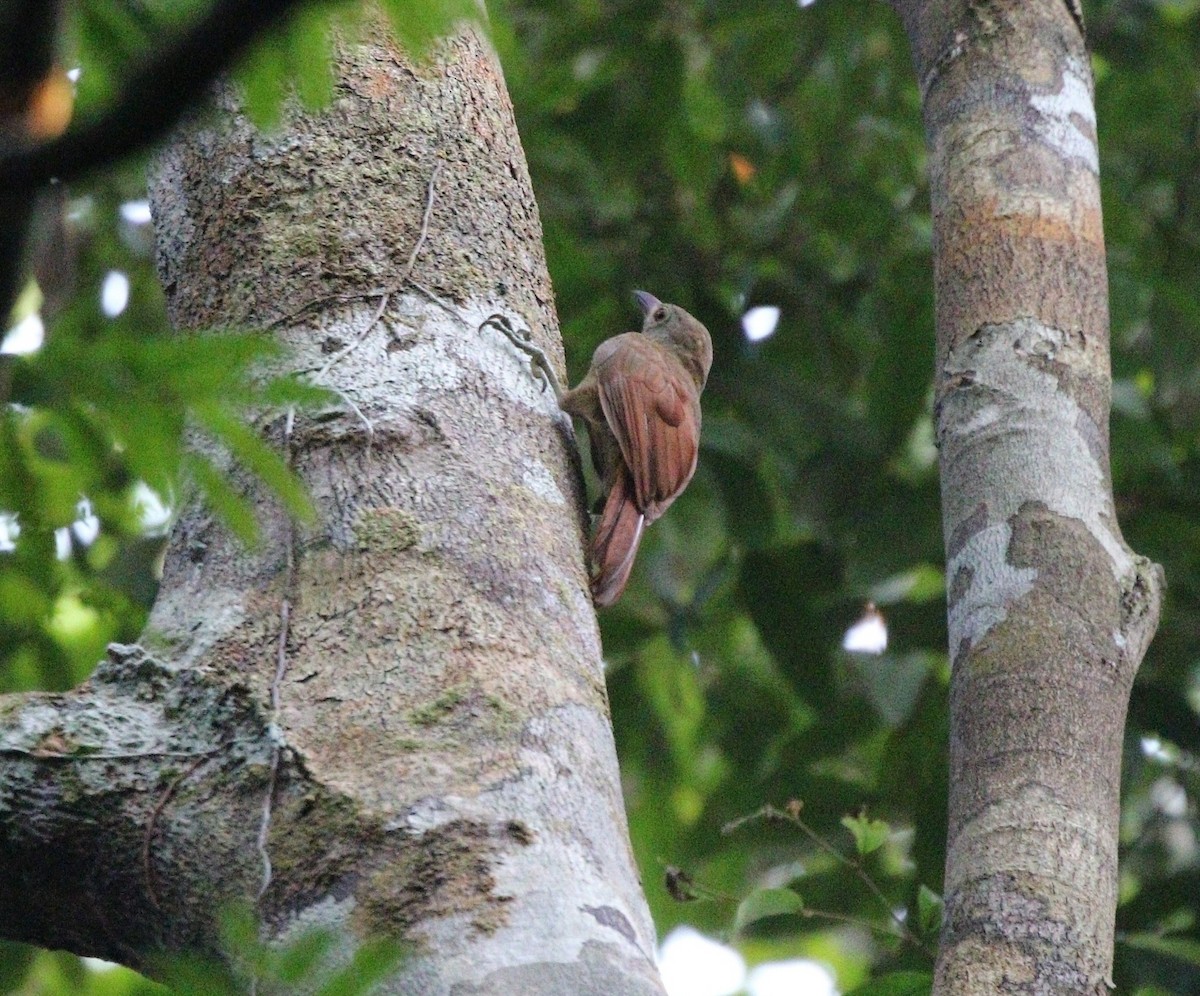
(723, 155)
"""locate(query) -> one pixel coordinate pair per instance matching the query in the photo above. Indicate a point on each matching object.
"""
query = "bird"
(640, 402)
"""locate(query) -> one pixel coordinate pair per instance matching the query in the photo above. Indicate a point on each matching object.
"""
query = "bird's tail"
(616, 541)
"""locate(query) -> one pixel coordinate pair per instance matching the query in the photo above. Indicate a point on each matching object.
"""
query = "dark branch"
(28, 34)
(153, 99)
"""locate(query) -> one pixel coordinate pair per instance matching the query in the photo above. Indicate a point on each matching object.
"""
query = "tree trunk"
(393, 721)
(1049, 610)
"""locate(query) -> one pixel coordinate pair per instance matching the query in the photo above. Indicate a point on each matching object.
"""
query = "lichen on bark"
(1045, 635)
(422, 746)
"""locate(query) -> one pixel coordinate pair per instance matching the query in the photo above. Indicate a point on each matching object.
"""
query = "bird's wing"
(653, 409)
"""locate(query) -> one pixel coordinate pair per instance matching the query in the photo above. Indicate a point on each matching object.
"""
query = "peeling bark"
(412, 685)
(1050, 612)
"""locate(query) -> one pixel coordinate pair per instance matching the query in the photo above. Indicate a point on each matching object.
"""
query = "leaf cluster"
(311, 961)
(96, 424)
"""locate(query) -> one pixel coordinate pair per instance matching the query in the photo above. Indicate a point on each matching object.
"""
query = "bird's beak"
(647, 302)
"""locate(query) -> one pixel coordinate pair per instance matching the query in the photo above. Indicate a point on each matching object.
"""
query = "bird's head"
(682, 332)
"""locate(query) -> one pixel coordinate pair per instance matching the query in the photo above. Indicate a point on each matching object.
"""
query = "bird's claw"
(518, 336)
(522, 338)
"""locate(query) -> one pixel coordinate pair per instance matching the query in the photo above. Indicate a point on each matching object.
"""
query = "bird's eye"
(660, 315)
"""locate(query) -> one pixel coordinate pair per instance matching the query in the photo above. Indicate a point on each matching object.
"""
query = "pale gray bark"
(1050, 612)
(422, 665)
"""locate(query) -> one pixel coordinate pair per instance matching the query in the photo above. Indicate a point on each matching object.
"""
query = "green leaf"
(267, 465)
(374, 962)
(109, 35)
(673, 691)
(929, 910)
(298, 961)
(869, 835)
(1182, 948)
(704, 108)
(310, 57)
(263, 77)
(897, 984)
(418, 23)
(229, 506)
(21, 600)
(766, 903)
(28, 302)
(292, 390)
(240, 932)
(194, 974)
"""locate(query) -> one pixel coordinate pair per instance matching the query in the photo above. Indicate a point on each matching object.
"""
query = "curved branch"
(28, 31)
(153, 99)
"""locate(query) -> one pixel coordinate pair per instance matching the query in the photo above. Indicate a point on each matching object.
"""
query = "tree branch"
(153, 99)
(1049, 609)
(104, 833)
(27, 35)
(28, 31)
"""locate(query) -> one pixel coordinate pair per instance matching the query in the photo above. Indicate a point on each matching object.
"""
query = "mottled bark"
(1049, 610)
(418, 674)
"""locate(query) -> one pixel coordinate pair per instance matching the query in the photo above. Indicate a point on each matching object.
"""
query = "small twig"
(792, 816)
(349, 401)
(405, 277)
(367, 423)
(683, 887)
(412, 257)
(383, 292)
(285, 612)
(450, 310)
(264, 826)
(147, 867)
(281, 658)
(281, 662)
(359, 339)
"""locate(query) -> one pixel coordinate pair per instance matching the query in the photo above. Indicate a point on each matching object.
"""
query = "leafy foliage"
(110, 37)
(897, 984)
(869, 835)
(766, 903)
(99, 416)
(723, 155)
(310, 959)
(930, 909)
